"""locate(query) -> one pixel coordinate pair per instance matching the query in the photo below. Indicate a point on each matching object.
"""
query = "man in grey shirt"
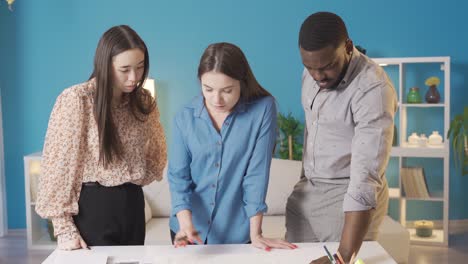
(349, 105)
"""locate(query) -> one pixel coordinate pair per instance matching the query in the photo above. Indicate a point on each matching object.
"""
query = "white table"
(371, 253)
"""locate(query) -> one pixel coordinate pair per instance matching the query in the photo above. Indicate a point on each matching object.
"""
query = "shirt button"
(212, 204)
(213, 185)
(216, 164)
(226, 123)
(219, 143)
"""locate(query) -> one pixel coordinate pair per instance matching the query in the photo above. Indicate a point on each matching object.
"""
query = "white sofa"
(284, 174)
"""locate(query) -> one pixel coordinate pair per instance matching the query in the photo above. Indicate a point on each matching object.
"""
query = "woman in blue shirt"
(223, 142)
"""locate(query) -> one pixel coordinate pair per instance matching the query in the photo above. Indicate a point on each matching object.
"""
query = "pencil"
(329, 255)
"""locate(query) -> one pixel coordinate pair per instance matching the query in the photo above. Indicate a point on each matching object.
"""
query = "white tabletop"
(371, 253)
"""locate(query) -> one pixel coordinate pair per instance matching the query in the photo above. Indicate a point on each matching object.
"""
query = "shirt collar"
(198, 105)
(354, 67)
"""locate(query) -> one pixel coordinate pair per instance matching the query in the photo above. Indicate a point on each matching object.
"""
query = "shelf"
(422, 152)
(430, 199)
(394, 193)
(405, 73)
(437, 237)
(423, 105)
(398, 61)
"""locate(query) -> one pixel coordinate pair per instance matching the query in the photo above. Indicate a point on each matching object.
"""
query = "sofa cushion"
(158, 196)
(148, 213)
(284, 174)
(273, 226)
(157, 232)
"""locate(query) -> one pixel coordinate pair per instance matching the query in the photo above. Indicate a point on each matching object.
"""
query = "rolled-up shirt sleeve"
(179, 176)
(373, 110)
(255, 182)
(62, 165)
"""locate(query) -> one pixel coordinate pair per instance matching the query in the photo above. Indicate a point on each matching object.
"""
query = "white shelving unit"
(402, 152)
(36, 227)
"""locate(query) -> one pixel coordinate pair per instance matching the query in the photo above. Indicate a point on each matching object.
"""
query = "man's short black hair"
(322, 29)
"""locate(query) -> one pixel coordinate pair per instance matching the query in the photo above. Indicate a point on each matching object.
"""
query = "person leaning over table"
(349, 105)
(104, 141)
(220, 158)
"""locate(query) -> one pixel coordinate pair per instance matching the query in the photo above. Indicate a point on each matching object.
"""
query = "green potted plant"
(457, 133)
(291, 130)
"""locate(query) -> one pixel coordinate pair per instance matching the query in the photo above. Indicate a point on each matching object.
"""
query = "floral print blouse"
(71, 155)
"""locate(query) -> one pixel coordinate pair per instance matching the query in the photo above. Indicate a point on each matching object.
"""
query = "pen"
(329, 255)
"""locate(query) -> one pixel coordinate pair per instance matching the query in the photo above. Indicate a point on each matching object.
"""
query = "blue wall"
(48, 46)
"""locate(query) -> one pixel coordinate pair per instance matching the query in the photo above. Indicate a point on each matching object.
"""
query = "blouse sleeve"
(156, 154)
(62, 165)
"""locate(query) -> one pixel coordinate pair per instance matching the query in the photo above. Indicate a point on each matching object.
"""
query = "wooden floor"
(13, 250)
(456, 253)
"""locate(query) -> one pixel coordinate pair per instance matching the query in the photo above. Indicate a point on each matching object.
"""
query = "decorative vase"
(432, 95)
(414, 97)
(424, 228)
(435, 139)
(413, 139)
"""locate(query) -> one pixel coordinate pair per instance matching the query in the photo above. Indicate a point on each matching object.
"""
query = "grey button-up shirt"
(349, 131)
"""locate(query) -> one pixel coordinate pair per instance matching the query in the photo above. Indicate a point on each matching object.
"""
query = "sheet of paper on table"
(79, 257)
(144, 260)
(276, 257)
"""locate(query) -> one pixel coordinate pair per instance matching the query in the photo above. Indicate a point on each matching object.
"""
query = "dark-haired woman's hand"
(75, 242)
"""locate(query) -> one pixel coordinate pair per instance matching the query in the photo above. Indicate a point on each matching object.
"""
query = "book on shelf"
(414, 182)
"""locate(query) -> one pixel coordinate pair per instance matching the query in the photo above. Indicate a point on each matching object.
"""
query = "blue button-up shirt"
(222, 177)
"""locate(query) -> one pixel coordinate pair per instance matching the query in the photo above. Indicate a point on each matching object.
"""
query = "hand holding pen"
(335, 259)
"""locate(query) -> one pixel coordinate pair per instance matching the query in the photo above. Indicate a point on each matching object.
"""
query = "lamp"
(10, 4)
(150, 86)
(35, 168)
